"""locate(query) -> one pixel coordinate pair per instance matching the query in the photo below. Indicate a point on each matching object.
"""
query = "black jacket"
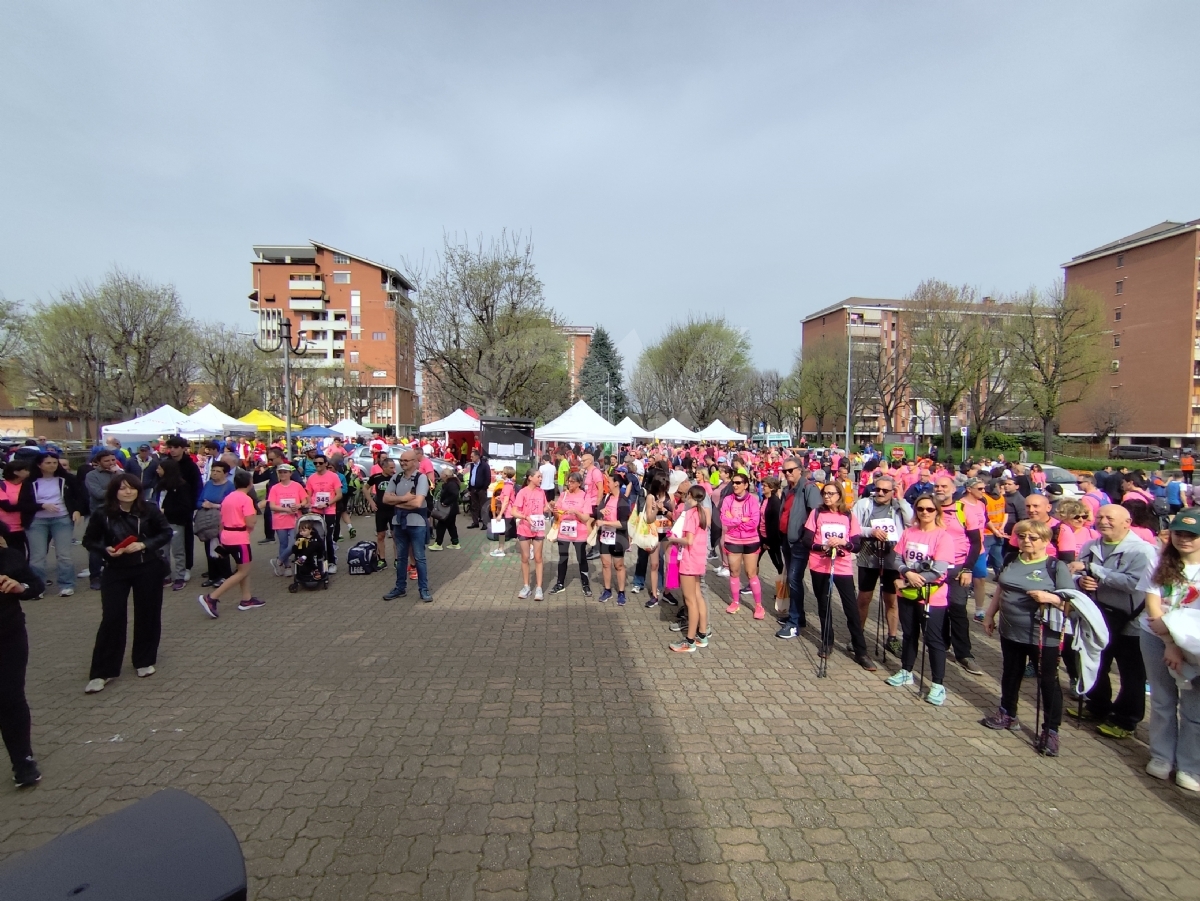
(191, 474)
(176, 503)
(771, 511)
(13, 565)
(450, 492)
(26, 504)
(483, 475)
(151, 528)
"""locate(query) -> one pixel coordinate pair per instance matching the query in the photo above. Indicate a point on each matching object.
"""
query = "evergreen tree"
(601, 378)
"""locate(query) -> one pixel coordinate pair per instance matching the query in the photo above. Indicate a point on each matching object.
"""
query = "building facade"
(1150, 285)
(356, 318)
(579, 342)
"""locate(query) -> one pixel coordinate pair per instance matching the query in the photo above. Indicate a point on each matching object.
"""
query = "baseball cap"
(972, 483)
(143, 447)
(1185, 522)
(285, 467)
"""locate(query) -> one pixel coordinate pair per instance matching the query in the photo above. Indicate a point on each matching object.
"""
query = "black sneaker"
(670, 599)
(786, 632)
(587, 591)
(782, 620)
(893, 646)
(652, 602)
(94, 585)
(26, 773)
(557, 589)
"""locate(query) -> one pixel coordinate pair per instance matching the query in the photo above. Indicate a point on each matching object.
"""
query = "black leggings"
(1014, 655)
(775, 551)
(449, 524)
(14, 658)
(145, 580)
(935, 638)
(564, 557)
(845, 588)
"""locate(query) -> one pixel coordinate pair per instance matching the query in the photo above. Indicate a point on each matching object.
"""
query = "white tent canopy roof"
(348, 428)
(458, 421)
(580, 423)
(630, 430)
(674, 430)
(718, 431)
(209, 421)
(148, 427)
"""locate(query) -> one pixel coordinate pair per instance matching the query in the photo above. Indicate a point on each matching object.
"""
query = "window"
(355, 334)
(1117, 316)
(343, 278)
(341, 259)
(354, 374)
(1120, 260)
(303, 277)
(378, 336)
(354, 356)
(1120, 285)
(356, 319)
(1116, 365)
(1116, 340)
(355, 300)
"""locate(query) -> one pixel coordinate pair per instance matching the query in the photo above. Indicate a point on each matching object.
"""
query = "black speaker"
(167, 847)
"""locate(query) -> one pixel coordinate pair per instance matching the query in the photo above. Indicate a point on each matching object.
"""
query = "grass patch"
(1092, 464)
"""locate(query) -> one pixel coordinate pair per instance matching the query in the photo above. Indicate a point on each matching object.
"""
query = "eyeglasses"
(1029, 538)
(788, 469)
(831, 494)
(879, 490)
(927, 509)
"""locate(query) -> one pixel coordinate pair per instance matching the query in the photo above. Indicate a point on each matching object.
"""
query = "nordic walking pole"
(827, 622)
(922, 636)
(1037, 715)
(879, 610)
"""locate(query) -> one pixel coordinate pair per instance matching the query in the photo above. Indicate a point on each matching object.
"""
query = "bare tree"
(995, 372)
(231, 369)
(767, 390)
(823, 384)
(1108, 417)
(941, 337)
(791, 397)
(887, 375)
(1057, 340)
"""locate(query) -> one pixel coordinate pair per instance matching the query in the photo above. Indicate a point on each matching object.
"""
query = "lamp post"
(99, 384)
(284, 342)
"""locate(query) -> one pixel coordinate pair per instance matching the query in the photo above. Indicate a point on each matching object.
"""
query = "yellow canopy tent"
(265, 422)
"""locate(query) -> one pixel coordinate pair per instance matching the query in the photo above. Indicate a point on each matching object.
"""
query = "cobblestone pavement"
(486, 747)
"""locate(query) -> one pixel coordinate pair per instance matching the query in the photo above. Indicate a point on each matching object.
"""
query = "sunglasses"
(740, 482)
(791, 469)
(320, 462)
(927, 509)
(884, 490)
(1029, 538)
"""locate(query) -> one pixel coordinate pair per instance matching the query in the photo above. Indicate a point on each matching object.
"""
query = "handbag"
(782, 593)
(441, 511)
(671, 580)
(552, 531)
(645, 536)
(207, 524)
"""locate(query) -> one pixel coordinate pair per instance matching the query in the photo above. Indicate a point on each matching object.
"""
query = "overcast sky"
(752, 159)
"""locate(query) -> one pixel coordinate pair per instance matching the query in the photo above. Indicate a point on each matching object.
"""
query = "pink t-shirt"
(235, 508)
(827, 524)
(976, 518)
(323, 488)
(740, 518)
(1145, 534)
(916, 546)
(573, 529)
(1084, 534)
(1065, 544)
(292, 495)
(507, 493)
(693, 559)
(592, 480)
(425, 466)
(530, 501)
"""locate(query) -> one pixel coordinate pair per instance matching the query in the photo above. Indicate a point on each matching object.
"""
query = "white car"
(363, 460)
(1056, 475)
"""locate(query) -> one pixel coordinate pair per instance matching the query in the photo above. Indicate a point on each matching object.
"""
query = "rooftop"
(877, 303)
(282, 253)
(1149, 235)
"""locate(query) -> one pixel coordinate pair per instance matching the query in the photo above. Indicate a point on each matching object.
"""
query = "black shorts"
(618, 549)
(869, 578)
(731, 548)
(550, 494)
(383, 520)
(238, 553)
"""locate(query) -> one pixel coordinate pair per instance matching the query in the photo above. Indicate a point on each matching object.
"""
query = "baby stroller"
(309, 552)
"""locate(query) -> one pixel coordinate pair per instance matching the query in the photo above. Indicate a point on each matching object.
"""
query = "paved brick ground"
(486, 747)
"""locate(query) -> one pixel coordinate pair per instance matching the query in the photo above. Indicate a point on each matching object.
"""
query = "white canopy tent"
(580, 423)
(209, 421)
(630, 430)
(674, 430)
(458, 421)
(718, 431)
(148, 427)
(348, 428)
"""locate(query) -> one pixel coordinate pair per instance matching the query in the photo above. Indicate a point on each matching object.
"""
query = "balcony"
(304, 284)
(306, 303)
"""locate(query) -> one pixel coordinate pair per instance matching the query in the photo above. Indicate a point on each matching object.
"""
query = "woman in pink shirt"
(926, 554)
(740, 513)
(1076, 515)
(504, 500)
(238, 516)
(690, 535)
(529, 509)
(834, 536)
(574, 517)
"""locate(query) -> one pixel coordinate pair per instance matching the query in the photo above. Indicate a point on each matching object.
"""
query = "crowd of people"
(1050, 572)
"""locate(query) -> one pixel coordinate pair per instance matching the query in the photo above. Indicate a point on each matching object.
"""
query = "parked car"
(1140, 452)
(363, 460)
(1056, 475)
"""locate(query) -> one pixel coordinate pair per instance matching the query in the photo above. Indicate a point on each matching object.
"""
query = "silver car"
(363, 459)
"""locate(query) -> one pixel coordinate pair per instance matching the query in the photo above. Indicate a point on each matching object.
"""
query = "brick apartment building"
(579, 342)
(1150, 286)
(356, 316)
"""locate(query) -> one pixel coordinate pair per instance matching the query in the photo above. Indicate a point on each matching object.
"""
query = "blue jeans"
(796, 565)
(287, 537)
(415, 537)
(1174, 712)
(39, 533)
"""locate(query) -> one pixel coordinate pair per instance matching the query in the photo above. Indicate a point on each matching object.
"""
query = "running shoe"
(936, 695)
(353, 531)
(94, 686)
(178, 585)
(636, 588)
(651, 603)
(1159, 769)
(683, 646)
(275, 567)
(1047, 744)
(66, 592)
(747, 592)
(433, 547)
(1187, 781)
(524, 592)
(605, 595)
(893, 646)
(786, 632)
(680, 625)
(144, 671)
(380, 565)
(1030, 672)
(760, 612)
(537, 594)
(455, 546)
(251, 603)
(331, 569)
(1110, 730)
(412, 573)
(496, 552)
(620, 599)
(26, 773)
(723, 572)
(701, 640)
(1001, 720)
(734, 606)
(587, 591)
(670, 599)
(558, 589)
(209, 605)
(900, 678)
(978, 616)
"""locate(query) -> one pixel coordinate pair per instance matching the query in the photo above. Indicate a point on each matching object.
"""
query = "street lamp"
(284, 342)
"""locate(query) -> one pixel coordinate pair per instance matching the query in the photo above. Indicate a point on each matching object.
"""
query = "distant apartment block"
(579, 342)
(355, 315)
(1150, 284)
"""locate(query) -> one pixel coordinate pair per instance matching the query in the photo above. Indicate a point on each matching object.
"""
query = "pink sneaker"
(733, 608)
(759, 612)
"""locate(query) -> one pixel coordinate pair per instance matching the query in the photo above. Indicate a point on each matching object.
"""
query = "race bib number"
(662, 524)
(608, 536)
(568, 529)
(497, 526)
(287, 502)
(537, 523)
(915, 553)
(832, 530)
(887, 526)
(321, 499)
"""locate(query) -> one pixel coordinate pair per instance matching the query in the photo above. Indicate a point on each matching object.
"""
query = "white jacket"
(1089, 634)
(1184, 625)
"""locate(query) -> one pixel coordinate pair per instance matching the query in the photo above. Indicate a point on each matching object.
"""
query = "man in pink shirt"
(964, 524)
(325, 490)
(593, 481)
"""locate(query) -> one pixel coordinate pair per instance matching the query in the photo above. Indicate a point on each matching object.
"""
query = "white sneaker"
(497, 553)
(723, 572)
(144, 671)
(1187, 781)
(83, 574)
(524, 592)
(94, 686)
(537, 594)
(275, 567)
(1159, 769)
(187, 575)
(66, 592)
(531, 552)
(331, 569)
